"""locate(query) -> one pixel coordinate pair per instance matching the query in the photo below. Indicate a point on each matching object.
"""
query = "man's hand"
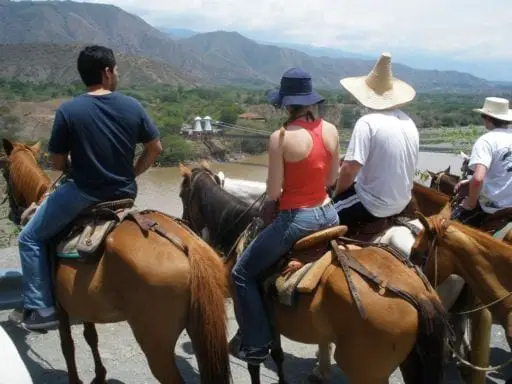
(466, 205)
(459, 185)
(150, 153)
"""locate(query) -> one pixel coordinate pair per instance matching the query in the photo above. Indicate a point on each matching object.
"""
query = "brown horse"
(158, 287)
(408, 333)
(485, 263)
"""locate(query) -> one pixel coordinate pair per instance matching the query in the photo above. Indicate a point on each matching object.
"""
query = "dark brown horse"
(396, 333)
(158, 287)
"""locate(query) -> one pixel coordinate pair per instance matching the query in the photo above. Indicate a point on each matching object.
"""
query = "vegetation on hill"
(56, 63)
(26, 113)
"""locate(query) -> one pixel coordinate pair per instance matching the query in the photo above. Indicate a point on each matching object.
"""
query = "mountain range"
(497, 70)
(55, 30)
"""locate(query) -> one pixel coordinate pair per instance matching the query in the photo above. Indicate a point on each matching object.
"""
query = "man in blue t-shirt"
(98, 130)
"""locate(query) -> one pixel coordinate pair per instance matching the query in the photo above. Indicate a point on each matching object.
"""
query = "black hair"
(92, 61)
(298, 111)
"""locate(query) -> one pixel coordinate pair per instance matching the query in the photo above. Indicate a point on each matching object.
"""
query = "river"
(159, 187)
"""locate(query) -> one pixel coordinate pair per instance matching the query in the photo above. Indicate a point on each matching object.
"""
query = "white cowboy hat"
(379, 89)
(496, 107)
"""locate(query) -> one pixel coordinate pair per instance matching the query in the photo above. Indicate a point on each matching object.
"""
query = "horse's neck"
(29, 181)
(486, 271)
(428, 200)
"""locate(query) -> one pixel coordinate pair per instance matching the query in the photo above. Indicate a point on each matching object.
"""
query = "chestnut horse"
(144, 279)
(406, 333)
(485, 264)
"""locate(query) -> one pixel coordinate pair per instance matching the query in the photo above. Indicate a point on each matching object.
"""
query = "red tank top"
(304, 180)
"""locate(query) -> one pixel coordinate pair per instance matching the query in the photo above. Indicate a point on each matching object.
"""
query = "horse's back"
(135, 268)
(147, 256)
(393, 273)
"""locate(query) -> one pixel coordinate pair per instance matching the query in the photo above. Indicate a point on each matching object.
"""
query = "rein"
(437, 181)
(218, 235)
(434, 250)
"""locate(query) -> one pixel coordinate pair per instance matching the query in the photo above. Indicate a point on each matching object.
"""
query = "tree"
(229, 114)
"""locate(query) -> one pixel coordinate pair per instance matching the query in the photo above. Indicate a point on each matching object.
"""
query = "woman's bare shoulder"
(330, 127)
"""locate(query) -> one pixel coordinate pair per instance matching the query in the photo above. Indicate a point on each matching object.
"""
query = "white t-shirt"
(494, 151)
(386, 144)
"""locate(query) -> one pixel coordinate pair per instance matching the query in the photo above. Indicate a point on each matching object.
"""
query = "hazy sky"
(459, 28)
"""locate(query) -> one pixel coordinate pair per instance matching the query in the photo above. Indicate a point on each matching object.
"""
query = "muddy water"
(159, 187)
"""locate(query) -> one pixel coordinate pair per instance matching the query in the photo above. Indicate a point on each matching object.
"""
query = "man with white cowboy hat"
(377, 174)
(490, 188)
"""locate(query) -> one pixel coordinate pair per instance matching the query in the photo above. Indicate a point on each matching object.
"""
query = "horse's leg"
(354, 368)
(91, 336)
(158, 340)
(254, 372)
(322, 372)
(411, 369)
(278, 357)
(68, 347)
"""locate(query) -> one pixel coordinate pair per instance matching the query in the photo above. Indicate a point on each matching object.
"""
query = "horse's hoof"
(99, 381)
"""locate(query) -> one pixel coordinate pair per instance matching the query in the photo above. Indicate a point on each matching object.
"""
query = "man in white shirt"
(376, 178)
(490, 188)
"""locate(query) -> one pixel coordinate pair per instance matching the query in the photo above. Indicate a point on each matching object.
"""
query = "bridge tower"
(197, 125)
(208, 124)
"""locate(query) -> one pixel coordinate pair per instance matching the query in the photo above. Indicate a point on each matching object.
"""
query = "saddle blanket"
(303, 280)
(87, 236)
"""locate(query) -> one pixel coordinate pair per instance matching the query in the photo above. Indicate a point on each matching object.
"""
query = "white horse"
(13, 368)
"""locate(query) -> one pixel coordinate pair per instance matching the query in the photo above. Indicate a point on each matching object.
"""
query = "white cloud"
(458, 28)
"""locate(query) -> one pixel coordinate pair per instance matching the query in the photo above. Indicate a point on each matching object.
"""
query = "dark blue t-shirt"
(100, 133)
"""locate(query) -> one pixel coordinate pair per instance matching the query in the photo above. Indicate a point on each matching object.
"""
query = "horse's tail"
(207, 318)
(432, 333)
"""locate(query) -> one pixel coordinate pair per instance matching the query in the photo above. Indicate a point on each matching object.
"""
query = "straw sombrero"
(496, 107)
(379, 89)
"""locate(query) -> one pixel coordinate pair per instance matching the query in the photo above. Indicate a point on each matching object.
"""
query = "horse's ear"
(205, 164)
(447, 170)
(424, 221)
(432, 174)
(184, 171)
(36, 147)
(8, 146)
(219, 178)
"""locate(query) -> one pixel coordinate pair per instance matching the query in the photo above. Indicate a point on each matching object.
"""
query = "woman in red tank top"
(298, 175)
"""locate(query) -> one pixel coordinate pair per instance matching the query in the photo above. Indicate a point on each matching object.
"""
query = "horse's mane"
(24, 171)
(472, 239)
(222, 211)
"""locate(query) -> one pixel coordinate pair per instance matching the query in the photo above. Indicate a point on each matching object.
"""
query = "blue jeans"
(265, 250)
(57, 211)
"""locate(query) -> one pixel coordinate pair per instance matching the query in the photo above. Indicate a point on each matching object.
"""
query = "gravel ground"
(125, 362)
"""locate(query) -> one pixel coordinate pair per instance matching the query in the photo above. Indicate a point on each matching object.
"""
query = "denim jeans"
(57, 211)
(270, 245)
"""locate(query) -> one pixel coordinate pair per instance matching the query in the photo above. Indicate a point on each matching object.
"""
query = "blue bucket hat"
(296, 89)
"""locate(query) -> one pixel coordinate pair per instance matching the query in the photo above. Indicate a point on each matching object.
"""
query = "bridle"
(196, 173)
